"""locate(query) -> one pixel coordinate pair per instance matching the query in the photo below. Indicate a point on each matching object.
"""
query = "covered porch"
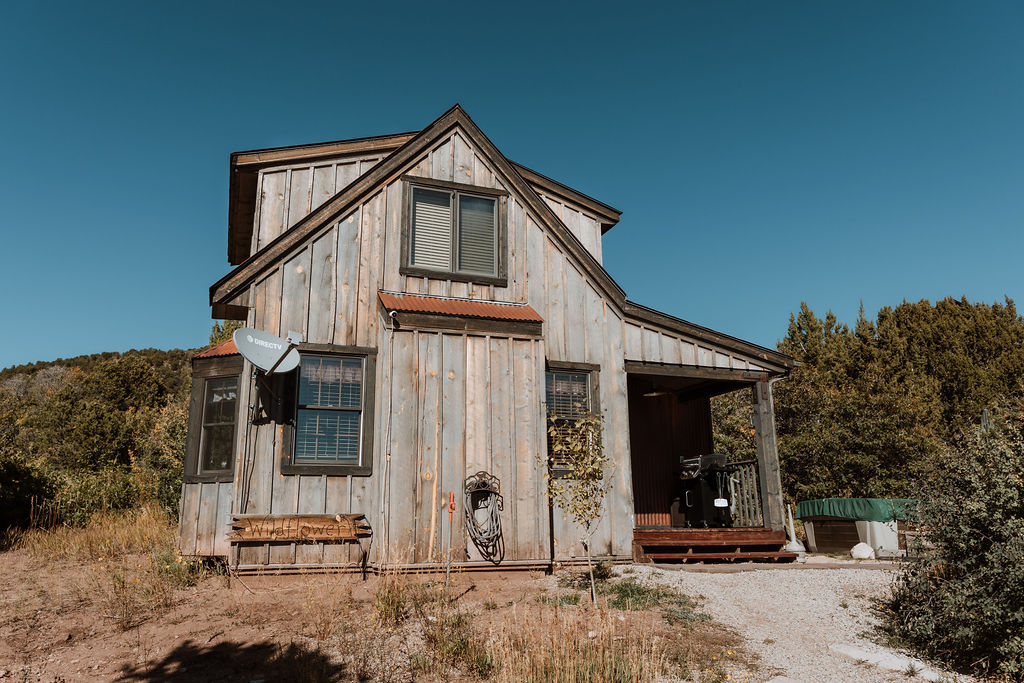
(691, 504)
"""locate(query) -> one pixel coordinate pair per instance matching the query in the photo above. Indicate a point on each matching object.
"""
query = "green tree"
(848, 426)
(222, 330)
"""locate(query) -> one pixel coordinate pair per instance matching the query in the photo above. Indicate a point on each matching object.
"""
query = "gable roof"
(245, 167)
(244, 176)
(391, 167)
(234, 283)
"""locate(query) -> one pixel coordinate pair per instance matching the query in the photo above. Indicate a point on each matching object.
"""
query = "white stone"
(862, 551)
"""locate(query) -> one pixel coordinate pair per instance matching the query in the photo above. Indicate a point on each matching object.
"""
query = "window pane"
(568, 393)
(477, 235)
(431, 229)
(217, 448)
(327, 437)
(221, 394)
(216, 440)
(331, 382)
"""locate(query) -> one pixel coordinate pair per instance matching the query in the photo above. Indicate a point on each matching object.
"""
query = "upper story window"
(454, 231)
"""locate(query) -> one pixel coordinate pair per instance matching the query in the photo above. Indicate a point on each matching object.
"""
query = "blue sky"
(762, 153)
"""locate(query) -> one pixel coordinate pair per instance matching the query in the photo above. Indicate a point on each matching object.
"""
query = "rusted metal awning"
(435, 312)
(436, 305)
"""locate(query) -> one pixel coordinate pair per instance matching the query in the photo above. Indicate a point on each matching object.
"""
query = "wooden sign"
(298, 528)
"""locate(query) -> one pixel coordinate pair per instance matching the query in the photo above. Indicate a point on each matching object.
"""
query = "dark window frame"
(366, 420)
(500, 197)
(593, 372)
(204, 370)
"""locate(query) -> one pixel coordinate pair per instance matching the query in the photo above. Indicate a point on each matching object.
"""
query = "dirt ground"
(62, 622)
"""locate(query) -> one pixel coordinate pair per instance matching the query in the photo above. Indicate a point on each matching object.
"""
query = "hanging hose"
(482, 492)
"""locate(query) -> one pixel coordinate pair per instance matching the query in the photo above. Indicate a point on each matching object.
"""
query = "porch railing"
(745, 494)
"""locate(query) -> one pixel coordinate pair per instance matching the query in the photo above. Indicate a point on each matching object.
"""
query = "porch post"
(768, 457)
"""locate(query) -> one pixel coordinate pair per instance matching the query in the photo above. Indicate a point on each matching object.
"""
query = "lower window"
(333, 397)
(216, 442)
(571, 395)
(329, 409)
(213, 418)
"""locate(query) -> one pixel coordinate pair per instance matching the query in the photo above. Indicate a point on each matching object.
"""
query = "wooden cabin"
(446, 297)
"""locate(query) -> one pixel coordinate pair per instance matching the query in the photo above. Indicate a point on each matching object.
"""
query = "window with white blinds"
(330, 405)
(431, 229)
(453, 231)
(568, 400)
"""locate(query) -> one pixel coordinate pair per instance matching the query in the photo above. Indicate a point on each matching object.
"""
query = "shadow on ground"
(230, 661)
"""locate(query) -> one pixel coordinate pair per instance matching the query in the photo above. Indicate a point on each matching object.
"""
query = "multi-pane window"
(454, 231)
(218, 433)
(329, 411)
(568, 399)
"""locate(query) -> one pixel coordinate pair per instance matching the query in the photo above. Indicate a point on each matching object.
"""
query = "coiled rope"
(483, 493)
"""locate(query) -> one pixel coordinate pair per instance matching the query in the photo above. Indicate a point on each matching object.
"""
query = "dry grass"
(107, 535)
(576, 646)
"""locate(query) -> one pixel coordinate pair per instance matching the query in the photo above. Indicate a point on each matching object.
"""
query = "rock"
(862, 551)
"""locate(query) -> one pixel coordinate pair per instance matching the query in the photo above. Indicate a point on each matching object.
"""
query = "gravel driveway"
(793, 619)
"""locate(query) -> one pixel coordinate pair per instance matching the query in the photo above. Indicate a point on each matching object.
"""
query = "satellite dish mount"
(270, 356)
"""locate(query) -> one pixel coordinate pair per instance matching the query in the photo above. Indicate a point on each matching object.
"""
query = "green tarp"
(867, 509)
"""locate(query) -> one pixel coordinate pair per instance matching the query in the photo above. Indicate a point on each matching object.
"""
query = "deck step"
(650, 545)
(777, 555)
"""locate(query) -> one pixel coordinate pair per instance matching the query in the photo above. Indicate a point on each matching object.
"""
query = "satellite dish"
(267, 351)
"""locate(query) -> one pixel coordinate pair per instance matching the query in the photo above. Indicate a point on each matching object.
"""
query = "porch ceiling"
(685, 388)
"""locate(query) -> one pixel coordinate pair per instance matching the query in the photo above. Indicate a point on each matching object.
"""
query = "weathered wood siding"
(460, 404)
(447, 405)
(286, 194)
(205, 510)
(584, 225)
(652, 344)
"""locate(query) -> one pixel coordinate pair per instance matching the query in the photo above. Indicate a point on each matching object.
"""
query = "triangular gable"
(236, 282)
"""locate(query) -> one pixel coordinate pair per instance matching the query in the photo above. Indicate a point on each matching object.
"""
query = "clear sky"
(762, 153)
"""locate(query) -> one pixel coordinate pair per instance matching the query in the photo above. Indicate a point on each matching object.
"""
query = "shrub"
(22, 486)
(962, 602)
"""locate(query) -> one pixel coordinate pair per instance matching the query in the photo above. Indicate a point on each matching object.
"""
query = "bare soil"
(61, 622)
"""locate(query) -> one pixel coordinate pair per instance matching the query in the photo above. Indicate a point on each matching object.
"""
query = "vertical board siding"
(222, 520)
(347, 280)
(300, 190)
(453, 443)
(206, 529)
(428, 469)
(270, 212)
(500, 387)
(190, 494)
(287, 194)
(401, 485)
(322, 302)
(447, 404)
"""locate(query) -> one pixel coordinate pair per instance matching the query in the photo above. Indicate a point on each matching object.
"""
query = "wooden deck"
(698, 545)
